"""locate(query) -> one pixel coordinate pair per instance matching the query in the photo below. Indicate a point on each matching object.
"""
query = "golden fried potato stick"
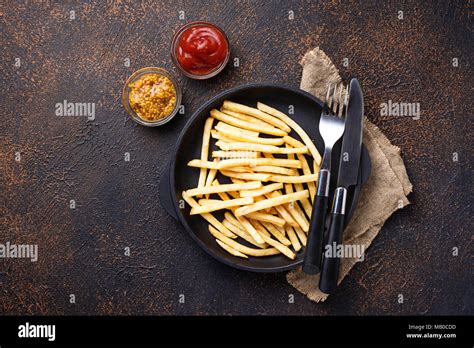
(306, 139)
(282, 162)
(307, 171)
(232, 219)
(259, 228)
(281, 229)
(237, 181)
(241, 220)
(289, 189)
(245, 176)
(246, 125)
(234, 131)
(304, 165)
(293, 239)
(244, 109)
(261, 198)
(242, 248)
(262, 217)
(243, 234)
(245, 117)
(294, 209)
(238, 162)
(219, 136)
(281, 210)
(229, 136)
(231, 250)
(207, 208)
(243, 146)
(261, 191)
(276, 233)
(283, 249)
(205, 150)
(242, 169)
(210, 177)
(224, 188)
(245, 224)
(305, 201)
(308, 208)
(274, 170)
(235, 154)
(272, 211)
(294, 179)
(301, 235)
(204, 201)
(271, 202)
(245, 135)
(292, 141)
(209, 217)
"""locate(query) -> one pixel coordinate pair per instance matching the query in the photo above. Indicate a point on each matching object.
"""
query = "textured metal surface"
(81, 251)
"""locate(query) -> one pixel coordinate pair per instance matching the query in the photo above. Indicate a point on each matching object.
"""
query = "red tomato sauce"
(201, 49)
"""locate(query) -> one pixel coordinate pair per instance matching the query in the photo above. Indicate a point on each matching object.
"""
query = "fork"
(331, 128)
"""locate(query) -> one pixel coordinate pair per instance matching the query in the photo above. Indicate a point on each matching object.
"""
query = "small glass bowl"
(174, 46)
(126, 93)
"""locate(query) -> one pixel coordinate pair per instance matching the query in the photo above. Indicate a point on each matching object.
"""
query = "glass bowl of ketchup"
(200, 50)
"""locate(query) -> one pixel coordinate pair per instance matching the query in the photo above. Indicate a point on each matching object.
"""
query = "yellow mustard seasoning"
(152, 97)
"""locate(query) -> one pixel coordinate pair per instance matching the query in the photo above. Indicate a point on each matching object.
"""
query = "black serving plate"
(180, 177)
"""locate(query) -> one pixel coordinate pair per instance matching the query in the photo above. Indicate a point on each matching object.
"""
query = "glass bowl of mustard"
(151, 96)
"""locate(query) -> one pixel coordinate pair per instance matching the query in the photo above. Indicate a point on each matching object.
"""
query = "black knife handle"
(330, 265)
(314, 245)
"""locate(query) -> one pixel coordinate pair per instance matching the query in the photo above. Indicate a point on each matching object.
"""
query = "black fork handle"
(314, 246)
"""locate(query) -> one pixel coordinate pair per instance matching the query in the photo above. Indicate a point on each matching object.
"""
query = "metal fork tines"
(331, 124)
(331, 128)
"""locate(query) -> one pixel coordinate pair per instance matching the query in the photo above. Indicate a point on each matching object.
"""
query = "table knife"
(347, 176)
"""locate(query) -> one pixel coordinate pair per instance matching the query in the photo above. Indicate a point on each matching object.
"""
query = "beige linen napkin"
(385, 191)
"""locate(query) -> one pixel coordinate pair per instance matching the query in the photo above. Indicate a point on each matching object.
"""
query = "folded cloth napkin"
(384, 192)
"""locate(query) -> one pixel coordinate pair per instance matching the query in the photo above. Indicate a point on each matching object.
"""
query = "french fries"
(224, 188)
(258, 114)
(296, 127)
(242, 146)
(246, 125)
(231, 250)
(241, 248)
(275, 220)
(245, 176)
(235, 154)
(232, 133)
(241, 221)
(293, 239)
(243, 234)
(245, 117)
(261, 191)
(283, 249)
(237, 162)
(211, 175)
(258, 220)
(205, 150)
(298, 179)
(274, 169)
(209, 217)
(278, 235)
(271, 202)
(207, 208)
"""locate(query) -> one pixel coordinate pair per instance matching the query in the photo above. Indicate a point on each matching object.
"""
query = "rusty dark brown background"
(81, 251)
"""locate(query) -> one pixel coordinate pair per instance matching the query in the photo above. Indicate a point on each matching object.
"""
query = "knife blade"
(347, 176)
(352, 141)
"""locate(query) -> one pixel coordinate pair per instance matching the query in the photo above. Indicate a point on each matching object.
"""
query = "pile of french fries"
(268, 203)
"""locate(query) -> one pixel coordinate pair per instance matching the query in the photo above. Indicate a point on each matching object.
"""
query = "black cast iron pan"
(306, 112)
